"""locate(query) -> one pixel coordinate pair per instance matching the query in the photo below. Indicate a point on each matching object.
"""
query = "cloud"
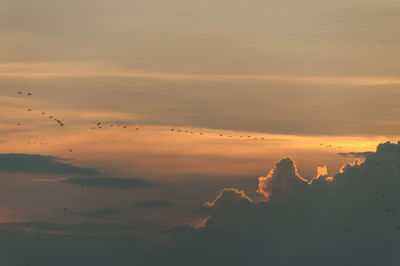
(355, 154)
(284, 178)
(40, 164)
(100, 213)
(109, 182)
(153, 204)
(352, 220)
(227, 196)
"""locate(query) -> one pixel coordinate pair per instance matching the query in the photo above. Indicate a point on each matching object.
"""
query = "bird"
(19, 92)
(29, 94)
(98, 123)
(29, 110)
(69, 150)
(18, 124)
(43, 113)
(124, 127)
(137, 128)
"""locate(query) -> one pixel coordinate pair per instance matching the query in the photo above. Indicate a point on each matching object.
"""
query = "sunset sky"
(199, 132)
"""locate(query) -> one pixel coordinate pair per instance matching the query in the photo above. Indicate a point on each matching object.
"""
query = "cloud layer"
(351, 219)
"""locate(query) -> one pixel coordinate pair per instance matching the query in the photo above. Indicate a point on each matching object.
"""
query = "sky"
(199, 132)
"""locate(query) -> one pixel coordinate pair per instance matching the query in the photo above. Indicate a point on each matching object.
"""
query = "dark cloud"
(352, 218)
(100, 213)
(109, 182)
(153, 204)
(40, 164)
(355, 154)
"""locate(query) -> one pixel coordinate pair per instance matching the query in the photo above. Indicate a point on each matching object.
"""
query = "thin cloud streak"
(57, 70)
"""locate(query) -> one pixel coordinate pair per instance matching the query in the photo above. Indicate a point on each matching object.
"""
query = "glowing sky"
(168, 105)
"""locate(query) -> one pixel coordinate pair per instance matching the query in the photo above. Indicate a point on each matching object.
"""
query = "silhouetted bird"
(29, 94)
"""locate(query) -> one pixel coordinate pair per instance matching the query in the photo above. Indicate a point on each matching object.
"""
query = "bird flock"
(101, 124)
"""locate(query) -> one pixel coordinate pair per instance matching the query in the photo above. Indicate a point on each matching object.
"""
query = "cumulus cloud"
(354, 219)
(284, 178)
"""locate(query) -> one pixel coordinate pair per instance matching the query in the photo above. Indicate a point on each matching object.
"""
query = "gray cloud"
(355, 154)
(352, 219)
(109, 182)
(40, 164)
